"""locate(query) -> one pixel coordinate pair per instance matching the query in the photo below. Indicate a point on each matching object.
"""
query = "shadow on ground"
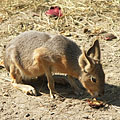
(111, 96)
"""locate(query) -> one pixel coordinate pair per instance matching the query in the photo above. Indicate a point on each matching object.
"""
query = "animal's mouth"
(93, 94)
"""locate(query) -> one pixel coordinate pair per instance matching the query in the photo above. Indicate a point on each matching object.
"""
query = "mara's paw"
(31, 91)
(27, 89)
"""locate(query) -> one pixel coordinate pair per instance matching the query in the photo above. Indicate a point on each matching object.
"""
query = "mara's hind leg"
(18, 83)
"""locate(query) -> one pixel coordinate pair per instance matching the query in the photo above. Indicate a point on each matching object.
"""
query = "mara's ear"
(85, 62)
(94, 51)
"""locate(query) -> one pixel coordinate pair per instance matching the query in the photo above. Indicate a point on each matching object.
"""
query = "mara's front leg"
(74, 85)
(51, 84)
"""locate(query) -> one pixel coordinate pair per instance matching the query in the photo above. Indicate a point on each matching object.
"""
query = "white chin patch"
(95, 94)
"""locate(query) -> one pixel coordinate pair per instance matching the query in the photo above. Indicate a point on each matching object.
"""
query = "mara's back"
(62, 46)
(27, 42)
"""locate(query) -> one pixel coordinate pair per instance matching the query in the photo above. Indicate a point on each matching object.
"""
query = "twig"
(6, 79)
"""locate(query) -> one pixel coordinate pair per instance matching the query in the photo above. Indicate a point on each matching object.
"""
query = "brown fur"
(32, 54)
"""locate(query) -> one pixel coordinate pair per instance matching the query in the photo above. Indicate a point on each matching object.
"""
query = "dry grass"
(76, 16)
(17, 16)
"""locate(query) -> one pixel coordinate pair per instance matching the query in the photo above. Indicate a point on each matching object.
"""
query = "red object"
(109, 36)
(54, 11)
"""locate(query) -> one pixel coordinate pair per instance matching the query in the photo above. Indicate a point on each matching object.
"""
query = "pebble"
(52, 113)
(86, 117)
(27, 115)
(6, 94)
(1, 109)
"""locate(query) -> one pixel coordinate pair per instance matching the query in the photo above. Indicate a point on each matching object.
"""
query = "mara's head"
(92, 77)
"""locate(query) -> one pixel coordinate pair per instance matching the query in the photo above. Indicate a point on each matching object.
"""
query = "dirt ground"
(17, 16)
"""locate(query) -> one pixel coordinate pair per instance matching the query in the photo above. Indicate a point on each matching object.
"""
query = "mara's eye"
(93, 79)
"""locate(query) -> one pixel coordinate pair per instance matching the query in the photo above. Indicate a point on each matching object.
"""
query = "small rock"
(4, 46)
(68, 35)
(6, 94)
(85, 30)
(27, 115)
(52, 113)
(4, 102)
(1, 109)
(86, 117)
(16, 113)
